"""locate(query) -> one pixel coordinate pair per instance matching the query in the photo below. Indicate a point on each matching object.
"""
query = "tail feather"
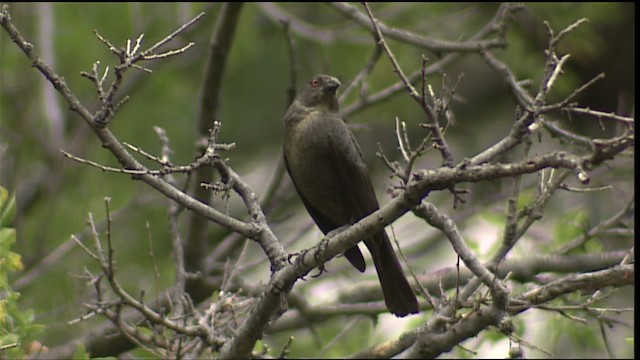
(398, 295)
(355, 257)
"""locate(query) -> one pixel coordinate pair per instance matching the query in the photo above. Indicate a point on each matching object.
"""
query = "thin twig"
(366, 70)
(396, 67)
(171, 36)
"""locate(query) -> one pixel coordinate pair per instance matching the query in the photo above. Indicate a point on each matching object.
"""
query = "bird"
(330, 175)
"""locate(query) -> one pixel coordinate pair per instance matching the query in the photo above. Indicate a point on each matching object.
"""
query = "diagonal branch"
(434, 45)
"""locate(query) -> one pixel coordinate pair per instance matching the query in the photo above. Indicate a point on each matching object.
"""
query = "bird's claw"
(291, 256)
(299, 257)
(321, 269)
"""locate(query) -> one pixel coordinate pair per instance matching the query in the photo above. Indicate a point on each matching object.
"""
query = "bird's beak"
(331, 85)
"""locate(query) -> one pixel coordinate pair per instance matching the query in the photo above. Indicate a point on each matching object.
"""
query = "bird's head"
(320, 92)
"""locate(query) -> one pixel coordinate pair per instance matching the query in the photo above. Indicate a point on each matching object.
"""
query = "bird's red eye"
(315, 82)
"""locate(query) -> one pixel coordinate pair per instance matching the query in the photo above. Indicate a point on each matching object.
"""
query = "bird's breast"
(311, 138)
(310, 150)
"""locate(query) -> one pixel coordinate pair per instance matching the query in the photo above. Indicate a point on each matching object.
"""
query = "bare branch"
(429, 213)
(189, 322)
(600, 114)
(622, 275)
(396, 67)
(366, 70)
(437, 46)
(300, 27)
(178, 31)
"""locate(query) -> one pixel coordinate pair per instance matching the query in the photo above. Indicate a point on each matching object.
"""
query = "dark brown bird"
(329, 172)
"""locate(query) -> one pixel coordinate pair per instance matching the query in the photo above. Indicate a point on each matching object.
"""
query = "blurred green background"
(55, 194)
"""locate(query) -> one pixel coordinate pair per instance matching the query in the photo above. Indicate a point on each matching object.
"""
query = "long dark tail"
(398, 295)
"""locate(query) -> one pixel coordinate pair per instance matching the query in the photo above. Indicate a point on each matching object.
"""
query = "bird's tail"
(398, 295)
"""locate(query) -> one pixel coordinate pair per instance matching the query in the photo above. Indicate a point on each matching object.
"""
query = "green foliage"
(8, 207)
(17, 328)
(347, 338)
(525, 198)
(81, 353)
(570, 331)
(569, 226)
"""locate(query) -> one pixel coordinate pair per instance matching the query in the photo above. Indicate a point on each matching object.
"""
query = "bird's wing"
(353, 254)
(350, 165)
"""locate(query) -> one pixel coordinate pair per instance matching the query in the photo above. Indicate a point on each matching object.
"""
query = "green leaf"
(8, 207)
(7, 236)
(14, 262)
(9, 339)
(4, 195)
(493, 336)
(80, 353)
(32, 332)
